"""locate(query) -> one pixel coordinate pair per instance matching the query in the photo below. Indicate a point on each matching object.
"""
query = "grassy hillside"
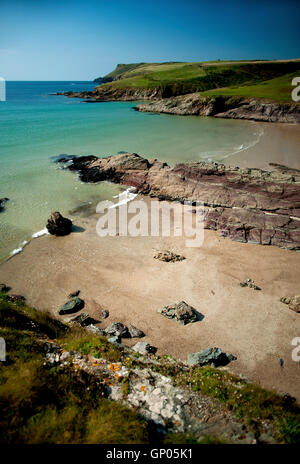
(176, 78)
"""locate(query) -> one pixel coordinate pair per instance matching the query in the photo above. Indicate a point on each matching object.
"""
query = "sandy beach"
(120, 274)
(280, 143)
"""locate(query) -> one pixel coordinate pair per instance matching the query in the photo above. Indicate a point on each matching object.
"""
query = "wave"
(40, 233)
(18, 250)
(125, 197)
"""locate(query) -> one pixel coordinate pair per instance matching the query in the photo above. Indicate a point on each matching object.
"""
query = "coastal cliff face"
(246, 205)
(225, 107)
(196, 105)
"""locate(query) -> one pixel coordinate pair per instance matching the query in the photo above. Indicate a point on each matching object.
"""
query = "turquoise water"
(34, 127)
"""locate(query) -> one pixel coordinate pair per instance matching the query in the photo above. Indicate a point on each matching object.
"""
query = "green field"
(261, 79)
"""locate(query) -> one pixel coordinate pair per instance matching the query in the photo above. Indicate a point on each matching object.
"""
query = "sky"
(81, 40)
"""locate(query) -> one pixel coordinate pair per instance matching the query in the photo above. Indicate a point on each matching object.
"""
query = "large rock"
(246, 205)
(72, 306)
(117, 329)
(293, 303)
(83, 319)
(213, 356)
(134, 332)
(59, 225)
(181, 312)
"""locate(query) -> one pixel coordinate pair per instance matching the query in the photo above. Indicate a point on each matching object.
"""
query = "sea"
(37, 126)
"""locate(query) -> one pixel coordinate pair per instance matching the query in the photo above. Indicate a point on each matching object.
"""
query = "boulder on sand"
(117, 329)
(134, 332)
(168, 256)
(181, 312)
(72, 306)
(213, 356)
(59, 225)
(4, 288)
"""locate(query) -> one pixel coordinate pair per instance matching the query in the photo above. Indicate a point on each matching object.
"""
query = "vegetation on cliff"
(262, 79)
(61, 403)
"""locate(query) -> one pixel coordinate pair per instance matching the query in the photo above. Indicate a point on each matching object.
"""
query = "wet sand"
(280, 143)
(120, 274)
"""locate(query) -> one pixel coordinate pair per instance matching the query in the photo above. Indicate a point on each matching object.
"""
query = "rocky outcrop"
(108, 93)
(226, 107)
(59, 225)
(246, 205)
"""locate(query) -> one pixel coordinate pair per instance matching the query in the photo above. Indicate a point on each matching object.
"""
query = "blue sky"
(81, 40)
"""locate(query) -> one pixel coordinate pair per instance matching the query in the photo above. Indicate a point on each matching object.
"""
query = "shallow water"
(34, 127)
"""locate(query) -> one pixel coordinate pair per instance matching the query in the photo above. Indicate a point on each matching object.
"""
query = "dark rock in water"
(168, 256)
(58, 225)
(72, 295)
(144, 348)
(134, 332)
(117, 329)
(104, 314)
(181, 312)
(72, 306)
(4, 288)
(82, 319)
(16, 298)
(249, 283)
(213, 356)
(2, 202)
(293, 302)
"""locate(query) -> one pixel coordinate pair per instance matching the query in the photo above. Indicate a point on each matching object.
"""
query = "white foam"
(125, 197)
(40, 233)
(18, 250)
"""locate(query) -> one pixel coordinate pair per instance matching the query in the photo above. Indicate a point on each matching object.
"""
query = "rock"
(246, 205)
(210, 356)
(59, 225)
(293, 302)
(94, 329)
(16, 298)
(144, 348)
(4, 288)
(76, 293)
(104, 314)
(225, 107)
(134, 332)
(168, 256)
(181, 312)
(82, 319)
(117, 329)
(2, 202)
(249, 283)
(115, 339)
(72, 306)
